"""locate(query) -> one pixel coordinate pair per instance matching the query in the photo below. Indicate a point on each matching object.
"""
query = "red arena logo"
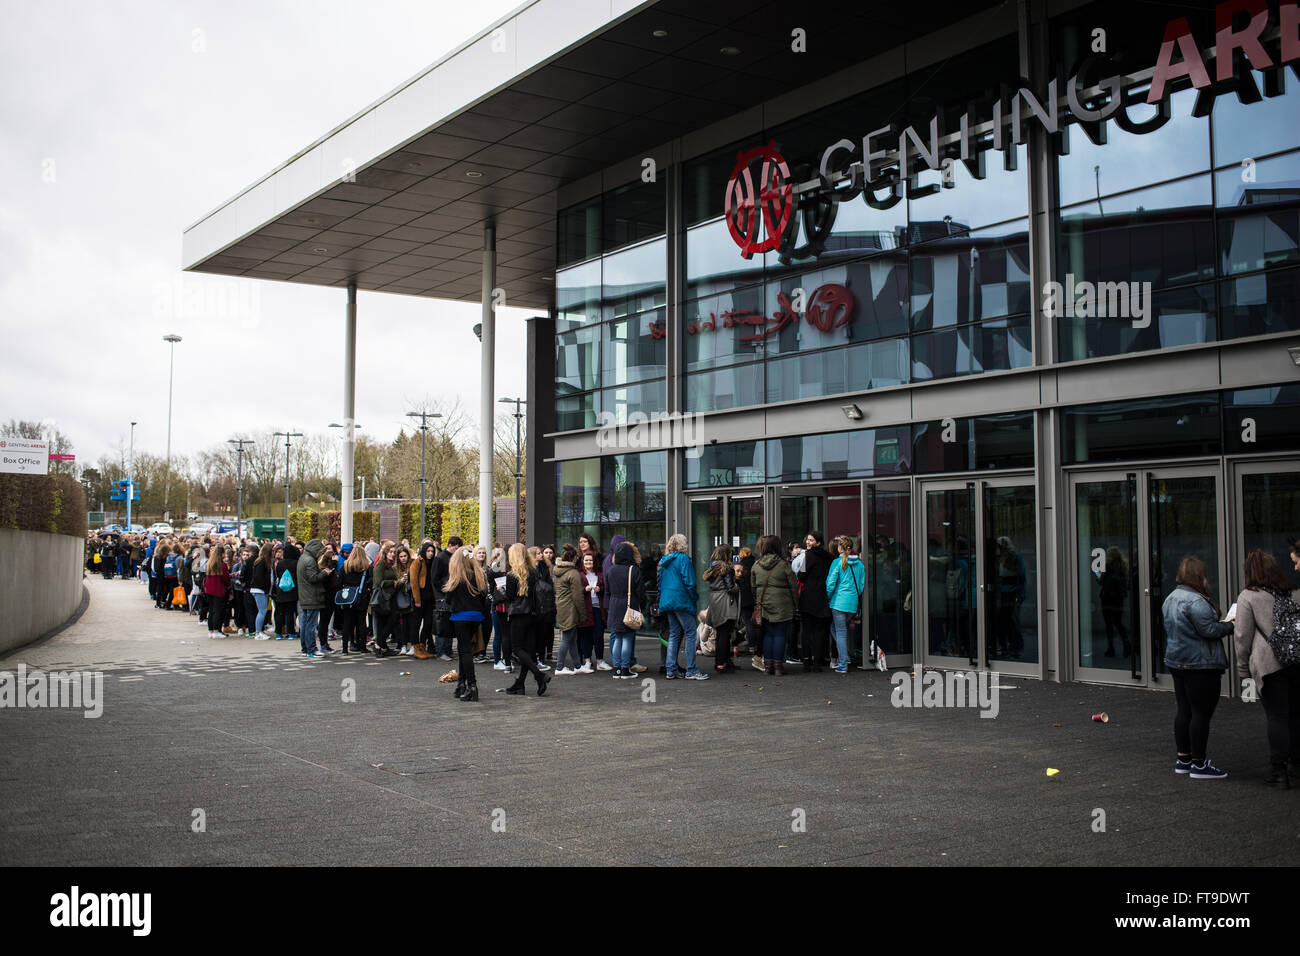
(769, 202)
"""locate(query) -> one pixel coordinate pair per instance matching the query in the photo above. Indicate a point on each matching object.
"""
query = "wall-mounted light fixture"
(1295, 354)
(852, 412)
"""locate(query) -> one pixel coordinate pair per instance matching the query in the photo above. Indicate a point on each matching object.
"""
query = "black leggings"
(286, 617)
(466, 632)
(522, 629)
(1197, 693)
(1280, 695)
(816, 631)
(216, 610)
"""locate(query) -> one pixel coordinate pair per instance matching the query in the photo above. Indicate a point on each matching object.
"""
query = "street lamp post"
(130, 482)
(424, 417)
(239, 444)
(343, 437)
(288, 437)
(519, 518)
(171, 339)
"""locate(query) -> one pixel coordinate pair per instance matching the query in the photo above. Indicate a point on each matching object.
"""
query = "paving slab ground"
(284, 771)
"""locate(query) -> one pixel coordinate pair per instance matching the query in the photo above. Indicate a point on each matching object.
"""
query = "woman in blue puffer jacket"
(678, 601)
(844, 585)
(1195, 657)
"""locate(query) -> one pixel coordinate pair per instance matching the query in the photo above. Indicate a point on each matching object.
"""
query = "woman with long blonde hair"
(521, 606)
(467, 598)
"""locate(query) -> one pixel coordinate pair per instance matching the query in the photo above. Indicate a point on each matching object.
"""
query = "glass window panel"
(577, 296)
(1274, 411)
(635, 486)
(1260, 304)
(704, 182)
(630, 350)
(1177, 317)
(634, 212)
(579, 232)
(1130, 160)
(568, 533)
(647, 398)
(1161, 235)
(634, 279)
(576, 411)
(1270, 505)
(836, 456)
(869, 304)
(733, 463)
(577, 491)
(1244, 130)
(724, 388)
(974, 444)
(1176, 426)
(980, 275)
(971, 203)
(835, 371)
(1259, 222)
(724, 329)
(971, 350)
(714, 263)
(577, 360)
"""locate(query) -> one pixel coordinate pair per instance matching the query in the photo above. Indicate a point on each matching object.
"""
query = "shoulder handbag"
(1284, 642)
(632, 618)
(756, 616)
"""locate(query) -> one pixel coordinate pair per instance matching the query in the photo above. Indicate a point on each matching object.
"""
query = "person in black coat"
(352, 619)
(814, 606)
(467, 599)
(442, 614)
(522, 610)
(286, 602)
(625, 584)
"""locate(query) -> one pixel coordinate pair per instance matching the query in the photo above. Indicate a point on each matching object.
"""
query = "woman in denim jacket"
(1195, 657)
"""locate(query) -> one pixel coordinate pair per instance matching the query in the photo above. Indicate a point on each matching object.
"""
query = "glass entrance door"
(797, 514)
(1132, 530)
(733, 520)
(981, 575)
(1267, 512)
(886, 549)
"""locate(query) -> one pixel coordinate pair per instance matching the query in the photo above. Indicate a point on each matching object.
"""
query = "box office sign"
(766, 200)
(19, 456)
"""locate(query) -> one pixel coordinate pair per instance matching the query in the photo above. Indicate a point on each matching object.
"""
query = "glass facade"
(1169, 225)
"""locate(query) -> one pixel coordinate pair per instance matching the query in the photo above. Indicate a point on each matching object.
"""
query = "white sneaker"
(586, 668)
(543, 667)
(565, 671)
(602, 666)
(408, 650)
(499, 666)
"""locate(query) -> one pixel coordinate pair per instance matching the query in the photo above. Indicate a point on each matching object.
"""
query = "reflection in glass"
(1183, 520)
(1262, 419)
(724, 388)
(950, 572)
(717, 330)
(1010, 570)
(573, 412)
(834, 456)
(706, 534)
(634, 487)
(577, 491)
(714, 263)
(1245, 130)
(577, 359)
(1183, 316)
(577, 296)
(733, 463)
(646, 398)
(745, 521)
(1175, 426)
(1106, 558)
(1270, 514)
(835, 371)
(970, 277)
(1259, 221)
(887, 554)
(635, 279)
(971, 350)
(629, 353)
(1260, 304)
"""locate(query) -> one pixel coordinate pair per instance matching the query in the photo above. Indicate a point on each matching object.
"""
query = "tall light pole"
(130, 483)
(343, 437)
(171, 370)
(519, 518)
(288, 437)
(424, 417)
(239, 444)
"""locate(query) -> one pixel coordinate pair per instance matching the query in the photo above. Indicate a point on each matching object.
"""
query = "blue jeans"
(774, 635)
(681, 628)
(308, 621)
(568, 650)
(259, 598)
(620, 648)
(840, 628)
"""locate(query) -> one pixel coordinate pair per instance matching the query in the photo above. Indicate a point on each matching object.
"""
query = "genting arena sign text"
(770, 206)
(830, 307)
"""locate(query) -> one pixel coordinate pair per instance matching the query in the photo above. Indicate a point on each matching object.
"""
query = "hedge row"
(461, 518)
(408, 521)
(365, 525)
(53, 503)
(306, 524)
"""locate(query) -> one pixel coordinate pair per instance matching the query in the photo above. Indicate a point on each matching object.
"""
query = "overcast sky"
(118, 134)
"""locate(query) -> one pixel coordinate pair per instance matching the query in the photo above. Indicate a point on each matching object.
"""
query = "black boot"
(460, 689)
(471, 692)
(1278, 778)
(543, 683)
(517, 688)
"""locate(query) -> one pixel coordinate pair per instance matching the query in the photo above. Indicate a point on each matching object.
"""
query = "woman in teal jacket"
(844, 585)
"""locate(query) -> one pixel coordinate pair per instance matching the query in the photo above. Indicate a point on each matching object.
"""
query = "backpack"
(169, 567)
(286, 581)
(544, 594)
(1285, 639)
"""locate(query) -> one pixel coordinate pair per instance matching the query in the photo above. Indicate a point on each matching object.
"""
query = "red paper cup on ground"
(1102, 718)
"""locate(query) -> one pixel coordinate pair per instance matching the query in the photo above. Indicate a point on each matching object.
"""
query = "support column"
(539, 481)
(349, 412)
(487, 402)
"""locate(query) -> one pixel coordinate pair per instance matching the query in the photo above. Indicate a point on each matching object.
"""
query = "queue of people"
(506, 607)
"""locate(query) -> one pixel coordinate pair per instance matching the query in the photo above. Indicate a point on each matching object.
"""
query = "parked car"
(114, 528)
(160, 527)
(136, 529)
(200, 528)
(192, 516)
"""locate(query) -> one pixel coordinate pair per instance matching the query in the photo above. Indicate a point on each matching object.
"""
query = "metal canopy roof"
(538, 111)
